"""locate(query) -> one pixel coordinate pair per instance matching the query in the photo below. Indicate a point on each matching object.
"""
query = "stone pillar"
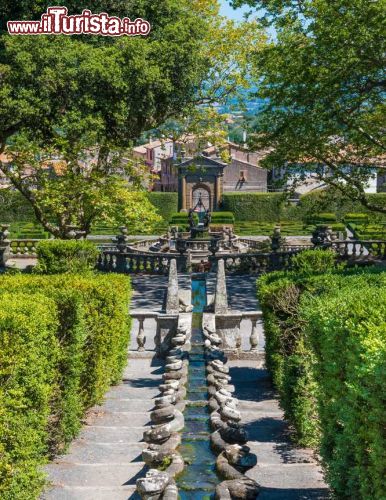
(221, 297)
(228, 329)
(184, 194)
(122, 242)
(172, 302)
(276, 239)
(218, 191)
(5, 245)
(166, 330)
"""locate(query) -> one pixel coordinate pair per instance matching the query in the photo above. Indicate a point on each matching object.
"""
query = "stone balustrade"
(254, 244)
(201, 245)
(359, 249)
(300, 247)
(138, 263)
(23, 248)
(141, 317)
(261, 262)
(254, 263)
(255, 317)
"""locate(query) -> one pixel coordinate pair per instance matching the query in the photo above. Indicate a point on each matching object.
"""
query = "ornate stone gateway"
(200, 176)
(201, 198)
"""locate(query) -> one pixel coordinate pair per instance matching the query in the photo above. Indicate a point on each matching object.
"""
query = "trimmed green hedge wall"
(325, 348)
(29, 356)
(66, 256)
(261, 207)
(165, 203)
(323, 218)
(222, 218)
(273, 207)
(347, 332)
(92, 335)
(328, 200)
(14, 207)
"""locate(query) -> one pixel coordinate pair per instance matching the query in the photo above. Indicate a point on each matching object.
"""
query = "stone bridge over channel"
(106, 461)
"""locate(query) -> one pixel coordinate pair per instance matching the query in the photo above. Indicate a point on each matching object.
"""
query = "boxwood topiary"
(325, 348)
(347, 332)
(66, 256)
(222, 218)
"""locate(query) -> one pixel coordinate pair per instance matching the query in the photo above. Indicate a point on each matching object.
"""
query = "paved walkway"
(283, 471)
(105, 461)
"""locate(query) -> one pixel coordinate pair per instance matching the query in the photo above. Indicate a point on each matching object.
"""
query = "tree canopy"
(62, 96)
(323, 80)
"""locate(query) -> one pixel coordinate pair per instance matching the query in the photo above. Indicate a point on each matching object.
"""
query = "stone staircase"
(104, 462)
(283, 471)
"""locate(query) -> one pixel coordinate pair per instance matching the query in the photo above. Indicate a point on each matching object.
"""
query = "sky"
(227, 10)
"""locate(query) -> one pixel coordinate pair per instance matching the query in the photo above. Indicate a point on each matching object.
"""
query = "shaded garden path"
(283, 471)
(105, 461)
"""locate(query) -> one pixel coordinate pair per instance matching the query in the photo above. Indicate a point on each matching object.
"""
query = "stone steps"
(282, 470)
(104, 462)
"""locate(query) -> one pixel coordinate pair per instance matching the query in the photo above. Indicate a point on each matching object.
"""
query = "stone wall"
(255, 177)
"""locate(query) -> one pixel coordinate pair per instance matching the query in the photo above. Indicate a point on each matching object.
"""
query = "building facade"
(244, 172)
(200, 178)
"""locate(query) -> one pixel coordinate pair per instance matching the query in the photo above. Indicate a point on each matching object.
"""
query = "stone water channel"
(199, 479)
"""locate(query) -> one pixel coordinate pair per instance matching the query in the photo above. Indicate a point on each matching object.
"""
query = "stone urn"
(5, 245)
(276, 239)
(214, 245)
(181, 245)
(321, 235)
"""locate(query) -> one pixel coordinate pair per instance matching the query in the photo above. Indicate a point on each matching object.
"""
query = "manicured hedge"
(356, 218)
(325, 335)
(29, 355)
(368, 231)
(323, 218)
(261, 207)
(181, 219)
(329, 200)
(66, 256)
(273, 207)
(165, 203)
(222, 218)
(92, 335)
(347, 332)
(14, 207)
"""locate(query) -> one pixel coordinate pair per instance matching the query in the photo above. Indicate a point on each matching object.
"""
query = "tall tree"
(323, 79)
(63, 97)
(66, 96)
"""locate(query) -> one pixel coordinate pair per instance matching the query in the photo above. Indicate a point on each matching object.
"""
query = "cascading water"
(199, 479)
